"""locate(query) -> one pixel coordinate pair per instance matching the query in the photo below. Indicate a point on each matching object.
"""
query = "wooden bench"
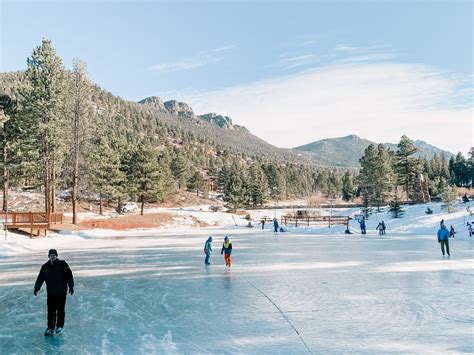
(30, 221)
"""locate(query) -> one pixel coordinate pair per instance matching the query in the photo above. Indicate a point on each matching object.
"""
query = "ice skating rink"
(284, 294)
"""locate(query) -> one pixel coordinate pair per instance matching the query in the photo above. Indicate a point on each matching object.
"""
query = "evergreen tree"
(197, 183)
(258, 185)
(7, 108)
(180, 168)
(368, 175)
(105, 175)
(406, 166)
(80, 111)
(166, 176)
(43, 99)
(384, 178)
(144, 174)
(348, 187)
(234, 191)
(459, 170)
(395, 209)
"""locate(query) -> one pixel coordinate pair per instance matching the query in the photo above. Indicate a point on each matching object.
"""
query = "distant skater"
(227, 250)
(452, 232)
(208, 250)
(275, 225)
(443, 238)
(379, 228)
(383, 228)
(263, 224)
(58, 277)
(362, 225)
(469, 228)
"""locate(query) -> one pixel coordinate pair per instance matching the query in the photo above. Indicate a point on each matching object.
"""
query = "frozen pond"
(284, 294)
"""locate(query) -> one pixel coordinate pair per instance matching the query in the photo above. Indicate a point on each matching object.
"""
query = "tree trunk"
(5, 174)
(119, 207)
(75, 171)
(142, 198)
(46, 185)
(52, 187)
(100, 204)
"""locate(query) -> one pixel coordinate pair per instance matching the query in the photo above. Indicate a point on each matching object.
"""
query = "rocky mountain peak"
(218, 120)
(179, 108)
(153, 101)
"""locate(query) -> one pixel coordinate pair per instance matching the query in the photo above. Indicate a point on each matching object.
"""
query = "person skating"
(443, 238)
(58, 277)
(275, 225)
(380, 228)
(383, 228)
(469, 228)
(263, 224)
(207, 250)
(362, 225)
(227, 250)
(452, 232)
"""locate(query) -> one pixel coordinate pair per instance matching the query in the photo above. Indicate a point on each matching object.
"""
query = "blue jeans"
(206, 261)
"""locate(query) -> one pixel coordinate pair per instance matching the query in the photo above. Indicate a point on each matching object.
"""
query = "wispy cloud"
(379, 101)
(198, 60)
(292, 60)
(345, 48)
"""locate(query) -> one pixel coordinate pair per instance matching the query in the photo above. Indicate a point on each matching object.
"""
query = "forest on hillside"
(60, 131)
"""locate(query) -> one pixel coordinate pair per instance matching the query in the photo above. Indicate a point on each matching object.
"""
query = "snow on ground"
(308, 290)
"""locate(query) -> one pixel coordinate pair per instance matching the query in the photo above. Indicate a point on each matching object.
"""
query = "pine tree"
(166, 176)
(368, 175)
(80, 111)
(180, 168)
(406, 166)
(234, 191)
(197, 183)
(144, 174)
(348, 186)
(258, 185)
(395, 209)
(7, 108)
(105, 175)
(43, 99)
(384, 177)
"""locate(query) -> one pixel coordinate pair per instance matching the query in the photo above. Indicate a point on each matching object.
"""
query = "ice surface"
(149, 292)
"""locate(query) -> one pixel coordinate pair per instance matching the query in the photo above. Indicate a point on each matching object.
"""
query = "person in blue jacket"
(362, 225)
(207, 250)
(443, 238)
(275, 225)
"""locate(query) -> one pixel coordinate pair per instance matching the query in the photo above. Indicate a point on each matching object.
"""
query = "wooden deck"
(30, 221)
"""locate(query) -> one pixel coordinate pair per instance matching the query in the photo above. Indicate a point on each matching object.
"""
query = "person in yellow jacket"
(227, 250)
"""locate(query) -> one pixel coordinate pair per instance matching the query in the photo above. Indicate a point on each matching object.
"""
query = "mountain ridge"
(346, 151)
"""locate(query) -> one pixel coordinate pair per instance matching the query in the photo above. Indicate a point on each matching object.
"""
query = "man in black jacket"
(58, 277)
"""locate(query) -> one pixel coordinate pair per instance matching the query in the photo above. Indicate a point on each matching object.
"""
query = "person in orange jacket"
(227, 250)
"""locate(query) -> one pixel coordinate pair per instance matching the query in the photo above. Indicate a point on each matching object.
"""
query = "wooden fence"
(32, 221)
(308, 220)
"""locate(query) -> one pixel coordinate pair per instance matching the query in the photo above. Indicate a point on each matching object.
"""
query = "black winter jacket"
(57, 277)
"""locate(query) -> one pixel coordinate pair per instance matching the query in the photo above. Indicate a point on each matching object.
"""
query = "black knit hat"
(51, 252)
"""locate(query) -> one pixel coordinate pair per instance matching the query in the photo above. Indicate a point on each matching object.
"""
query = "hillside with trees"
(62, 132)
(346, 151)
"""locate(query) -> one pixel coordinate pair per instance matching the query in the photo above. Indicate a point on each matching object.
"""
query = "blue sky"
(290, 71)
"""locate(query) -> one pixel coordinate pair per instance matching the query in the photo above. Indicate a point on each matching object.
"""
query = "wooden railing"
(34, 221)
(308, 220)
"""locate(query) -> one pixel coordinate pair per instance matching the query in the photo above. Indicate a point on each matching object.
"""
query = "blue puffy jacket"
(443, 233)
